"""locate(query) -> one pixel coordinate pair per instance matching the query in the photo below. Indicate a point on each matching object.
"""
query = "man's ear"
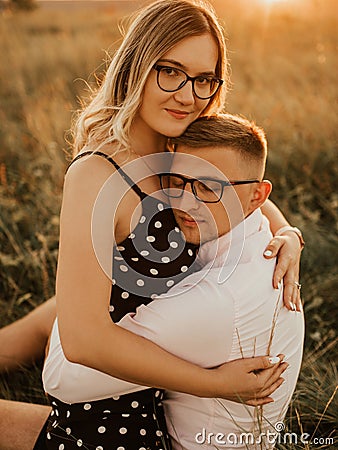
(261, 192)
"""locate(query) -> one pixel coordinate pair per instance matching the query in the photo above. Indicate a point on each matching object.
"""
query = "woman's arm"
(287, 247)
(88, 335)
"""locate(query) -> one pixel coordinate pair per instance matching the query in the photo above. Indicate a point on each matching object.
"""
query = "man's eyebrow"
(183, 67)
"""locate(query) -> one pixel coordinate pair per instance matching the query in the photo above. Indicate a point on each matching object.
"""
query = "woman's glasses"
(170, 79)
(205, 189)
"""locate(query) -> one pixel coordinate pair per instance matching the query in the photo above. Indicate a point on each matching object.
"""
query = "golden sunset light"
(116, 82)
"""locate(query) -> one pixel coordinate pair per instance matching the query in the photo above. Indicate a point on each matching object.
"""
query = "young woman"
(156, 85)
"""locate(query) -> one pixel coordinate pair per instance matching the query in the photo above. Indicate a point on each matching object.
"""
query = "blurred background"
(284, 66)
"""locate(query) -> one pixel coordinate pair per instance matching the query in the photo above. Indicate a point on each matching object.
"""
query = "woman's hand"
(287, 248)
(251, 380)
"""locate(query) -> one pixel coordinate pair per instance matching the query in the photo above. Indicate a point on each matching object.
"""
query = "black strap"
(123, 174)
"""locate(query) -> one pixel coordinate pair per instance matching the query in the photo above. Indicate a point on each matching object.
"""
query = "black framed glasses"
(171, 79)
(205, 189)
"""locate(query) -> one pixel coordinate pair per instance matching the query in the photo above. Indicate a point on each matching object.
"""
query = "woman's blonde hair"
(155, 29)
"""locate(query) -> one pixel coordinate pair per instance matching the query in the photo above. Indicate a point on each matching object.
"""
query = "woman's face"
(169, 113)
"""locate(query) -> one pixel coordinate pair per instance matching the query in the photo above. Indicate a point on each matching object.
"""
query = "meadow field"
(284, 65)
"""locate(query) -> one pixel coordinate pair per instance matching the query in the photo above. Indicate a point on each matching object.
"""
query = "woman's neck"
(144, 140)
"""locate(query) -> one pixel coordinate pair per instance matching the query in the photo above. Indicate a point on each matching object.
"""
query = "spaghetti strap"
(123, 174)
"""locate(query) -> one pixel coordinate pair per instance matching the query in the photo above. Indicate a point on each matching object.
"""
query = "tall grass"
(284, 66)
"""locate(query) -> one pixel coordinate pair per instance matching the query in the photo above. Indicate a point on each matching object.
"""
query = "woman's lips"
(177, 114)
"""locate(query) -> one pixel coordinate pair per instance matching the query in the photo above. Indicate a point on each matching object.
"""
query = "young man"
(226, 310)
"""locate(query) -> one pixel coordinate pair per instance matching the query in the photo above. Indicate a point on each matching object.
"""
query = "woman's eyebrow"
(183, 67)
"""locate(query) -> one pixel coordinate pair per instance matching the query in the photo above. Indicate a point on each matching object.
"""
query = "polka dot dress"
(152, 259)
(130, 422)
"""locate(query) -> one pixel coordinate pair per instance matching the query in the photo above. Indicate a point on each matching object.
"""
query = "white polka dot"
(57, 412)
(131, 236)
(79, 442)
(120, 448)
(134, 404)
(150, 238)
(140, 282)
(99, 448)
(173, 244)
(113, 282)
(52, 413)
(170, 283)
(143, 432)
(68, 430)
(107, 411)
(165, 259)
(157, 393)
(49, 436)
(153, 271)
(120, 248)
(118, 258)
(184, 268)
(158, 224)
(144, 253)
(177, 230)
(159, 433)
(55, 424)
(61, 447)
(111, 308)
(153, 296)
(134, 259)
(144, 415)
(101, 430)
(160, 207)
(123, 430)
(190, 252)
(53, 403)
(154, 417)
(143, 219)
(125, 295)
(123, 268)
(68, 414)
(116, 397)
(125, 415)
(87, 406)
(142, 448)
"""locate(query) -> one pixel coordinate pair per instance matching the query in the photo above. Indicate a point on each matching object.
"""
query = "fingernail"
(274, 360)
(292, 306)
(279, 284)
(267, 253)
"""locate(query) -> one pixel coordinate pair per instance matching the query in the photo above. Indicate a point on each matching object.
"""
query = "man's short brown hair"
(226, 130)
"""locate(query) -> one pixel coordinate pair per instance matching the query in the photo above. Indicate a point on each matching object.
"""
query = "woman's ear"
(261, 192)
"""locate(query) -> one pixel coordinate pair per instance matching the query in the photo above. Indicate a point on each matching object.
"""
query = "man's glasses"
(205, 189)
(170, 79)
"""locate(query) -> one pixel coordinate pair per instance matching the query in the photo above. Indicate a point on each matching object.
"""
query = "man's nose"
(185, 95)
(188, 201)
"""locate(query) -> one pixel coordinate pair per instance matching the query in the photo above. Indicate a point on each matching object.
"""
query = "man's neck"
(231, 242)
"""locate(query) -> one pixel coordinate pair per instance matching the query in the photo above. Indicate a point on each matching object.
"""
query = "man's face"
(201, 222)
